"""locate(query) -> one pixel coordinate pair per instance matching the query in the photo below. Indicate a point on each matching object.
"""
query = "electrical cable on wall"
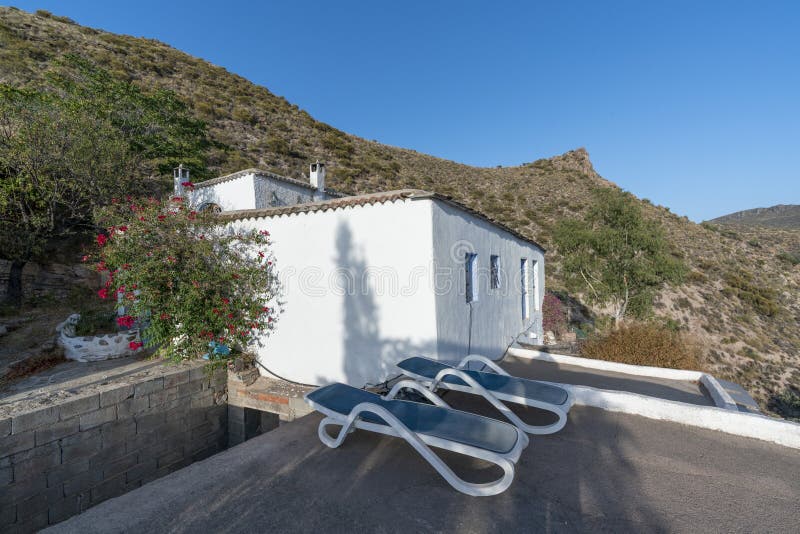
(284, 379)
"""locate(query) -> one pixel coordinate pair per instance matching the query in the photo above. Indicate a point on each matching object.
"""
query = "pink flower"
(101, 239)
(125, 321)
(103, 293)
(85, 258)
(135, 345)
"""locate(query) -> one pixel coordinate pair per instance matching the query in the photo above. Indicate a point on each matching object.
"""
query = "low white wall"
(720, 396)
(497, 317)
(357, 286)
(720, 419)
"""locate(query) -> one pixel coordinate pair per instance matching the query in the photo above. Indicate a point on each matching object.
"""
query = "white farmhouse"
(369, 280)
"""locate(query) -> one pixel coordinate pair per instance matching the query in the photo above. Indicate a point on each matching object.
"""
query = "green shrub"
(763, 299)
(645, 344)
(95, 322)
(792, 258)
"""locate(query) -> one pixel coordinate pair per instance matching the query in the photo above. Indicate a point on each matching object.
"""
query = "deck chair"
(495, 386)
(422, 426)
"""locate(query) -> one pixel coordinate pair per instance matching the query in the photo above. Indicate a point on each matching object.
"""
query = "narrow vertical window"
(523, 274)
(471, 277)
(535, 284)
(494, 271)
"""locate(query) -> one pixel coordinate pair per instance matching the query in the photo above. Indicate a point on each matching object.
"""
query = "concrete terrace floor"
(603, 472)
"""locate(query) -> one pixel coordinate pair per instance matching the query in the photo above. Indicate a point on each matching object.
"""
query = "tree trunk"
(14, 287)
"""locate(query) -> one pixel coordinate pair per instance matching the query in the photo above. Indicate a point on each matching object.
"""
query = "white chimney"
(179, 175)
(318, 176)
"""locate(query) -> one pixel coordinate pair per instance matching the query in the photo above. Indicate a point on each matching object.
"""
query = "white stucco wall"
(497, 317)
(358, 292)
(272, 193)
(236, 194)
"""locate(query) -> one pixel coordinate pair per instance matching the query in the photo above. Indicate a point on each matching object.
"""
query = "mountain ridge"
(778, 216)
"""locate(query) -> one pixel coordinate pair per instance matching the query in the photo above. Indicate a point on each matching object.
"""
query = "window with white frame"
(471, 275)
(524, 277)
(494, 271)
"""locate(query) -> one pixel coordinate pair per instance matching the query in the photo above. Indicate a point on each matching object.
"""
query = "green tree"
(72, 144)
(55, 160)
(616, 256)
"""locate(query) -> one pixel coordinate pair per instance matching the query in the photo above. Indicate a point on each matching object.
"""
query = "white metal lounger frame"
(420, 442)
(495, 397)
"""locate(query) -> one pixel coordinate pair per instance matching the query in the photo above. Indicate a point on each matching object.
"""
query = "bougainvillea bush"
(554, 315)
(194, 287)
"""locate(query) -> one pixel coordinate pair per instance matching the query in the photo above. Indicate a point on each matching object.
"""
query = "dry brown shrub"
(646, 344)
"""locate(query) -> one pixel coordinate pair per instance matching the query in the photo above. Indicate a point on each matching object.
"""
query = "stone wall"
(59, 460)
(55, 280)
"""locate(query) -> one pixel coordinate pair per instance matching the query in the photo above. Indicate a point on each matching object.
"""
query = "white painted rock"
(93, 348)
(549, 338)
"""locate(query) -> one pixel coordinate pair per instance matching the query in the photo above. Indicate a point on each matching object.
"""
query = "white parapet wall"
(721, 397)
(725, 417)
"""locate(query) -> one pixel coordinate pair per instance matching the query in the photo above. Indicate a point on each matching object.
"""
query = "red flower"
(141, 219)
(230, 316)
(264, 232)
(226, 300)
(135, 345)
(177, 199)
(164, 316)
(125, 321)
(162, 217)
(123, 228)
(121, 289)
(187, 184)
(216, 311)
(235, 276)
(101, 239)
(103, 293)
(260, 254)
(85, 258)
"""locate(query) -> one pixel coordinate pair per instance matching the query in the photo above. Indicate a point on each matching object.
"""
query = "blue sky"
(694, 105)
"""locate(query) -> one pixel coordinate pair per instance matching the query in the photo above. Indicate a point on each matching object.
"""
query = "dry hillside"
(742, 298)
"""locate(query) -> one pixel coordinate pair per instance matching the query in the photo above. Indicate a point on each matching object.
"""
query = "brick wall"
(59, 460)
